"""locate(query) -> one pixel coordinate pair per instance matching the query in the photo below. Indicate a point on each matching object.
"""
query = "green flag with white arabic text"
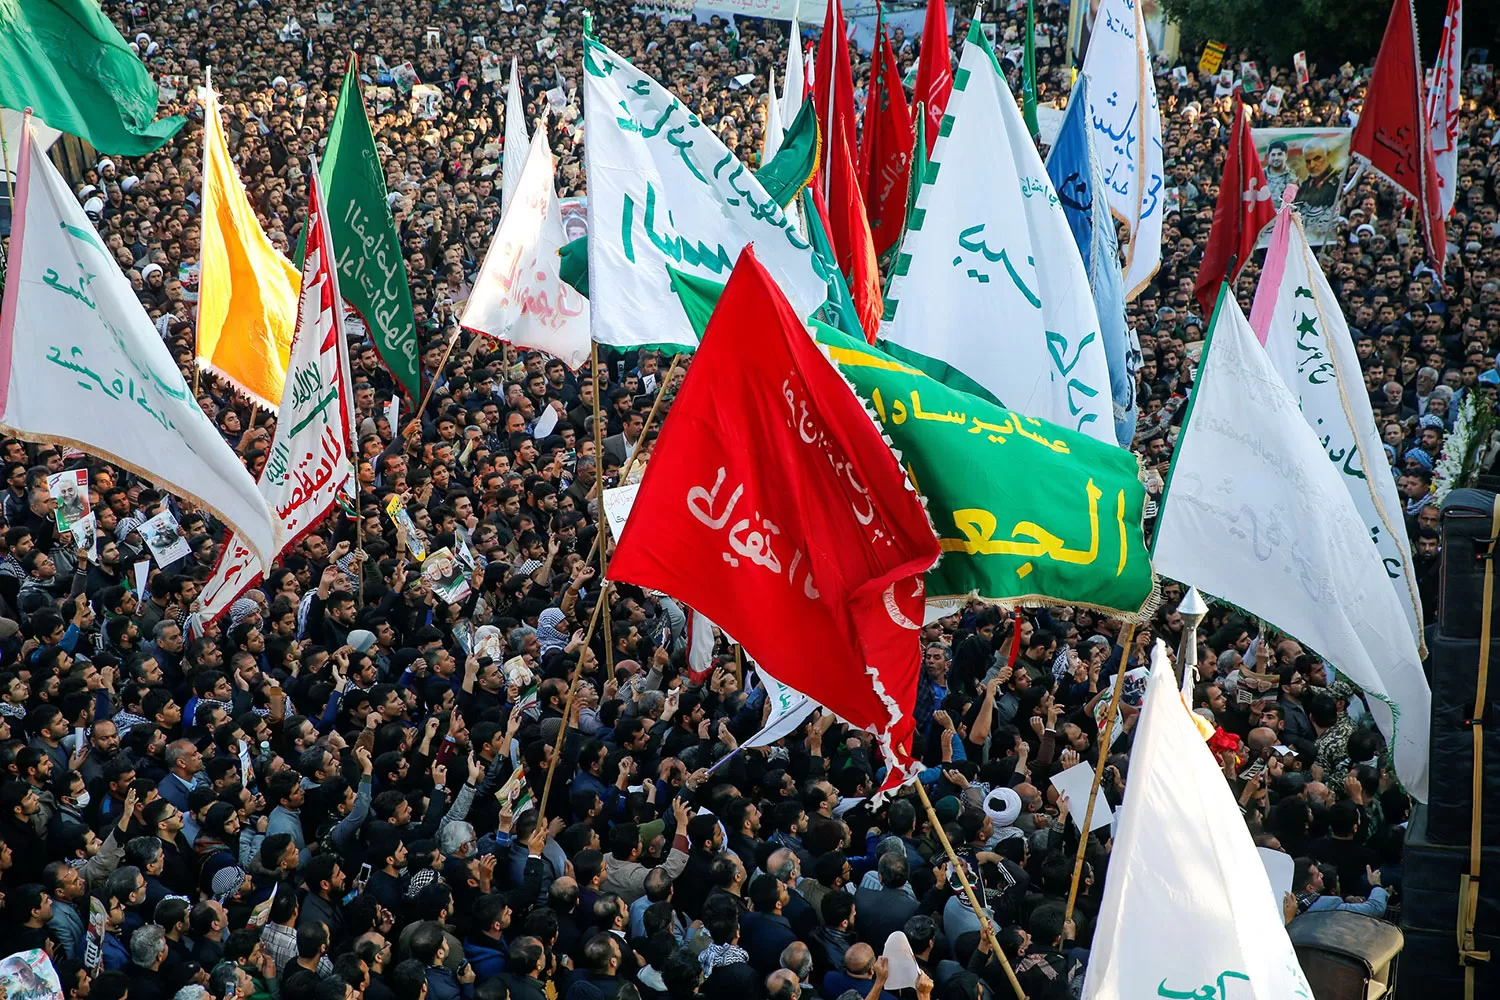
(372, 272)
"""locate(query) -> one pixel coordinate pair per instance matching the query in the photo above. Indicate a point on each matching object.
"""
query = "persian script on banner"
(668, 198)
(82, 364)
(309, 467)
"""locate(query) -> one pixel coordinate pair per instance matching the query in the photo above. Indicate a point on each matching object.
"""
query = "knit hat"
(362, 640)
(947, 809)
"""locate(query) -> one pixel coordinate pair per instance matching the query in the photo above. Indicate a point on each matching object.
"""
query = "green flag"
(1028, 72)
(372, 272)
(1027, 512)
(65, 60)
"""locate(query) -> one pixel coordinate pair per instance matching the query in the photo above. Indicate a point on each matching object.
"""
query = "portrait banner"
(1314, 159)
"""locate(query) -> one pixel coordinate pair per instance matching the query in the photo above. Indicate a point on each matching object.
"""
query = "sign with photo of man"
(1314, 159)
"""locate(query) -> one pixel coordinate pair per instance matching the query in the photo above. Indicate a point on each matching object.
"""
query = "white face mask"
(81, 800)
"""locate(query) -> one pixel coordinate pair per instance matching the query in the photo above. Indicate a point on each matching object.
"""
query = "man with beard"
(106, 571)
(1428, 562)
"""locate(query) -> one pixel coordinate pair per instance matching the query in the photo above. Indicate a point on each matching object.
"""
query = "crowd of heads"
(333, 788)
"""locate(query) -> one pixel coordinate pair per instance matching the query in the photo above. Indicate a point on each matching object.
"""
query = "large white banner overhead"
(1300, 321)
(989, 280)
(1256, 514)
(1187, 909)
(666, 196)
(81, 363)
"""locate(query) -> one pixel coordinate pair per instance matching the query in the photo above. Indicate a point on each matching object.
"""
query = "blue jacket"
(486, 955)
(442, 984)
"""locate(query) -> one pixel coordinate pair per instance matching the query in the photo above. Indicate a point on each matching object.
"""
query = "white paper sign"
(1279, 869)
(1075, 783)
(142, 573)
(617, 504)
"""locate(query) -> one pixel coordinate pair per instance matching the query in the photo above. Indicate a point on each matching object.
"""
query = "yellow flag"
(247, 291)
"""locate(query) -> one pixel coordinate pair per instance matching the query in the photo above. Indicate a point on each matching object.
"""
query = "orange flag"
(247, 291)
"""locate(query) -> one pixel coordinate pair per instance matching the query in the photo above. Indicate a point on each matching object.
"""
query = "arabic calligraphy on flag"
(309, 466)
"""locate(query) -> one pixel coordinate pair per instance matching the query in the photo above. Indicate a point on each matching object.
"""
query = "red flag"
(885, 160)
(773, 506)
(934, 69)
(848, 225)
(1392, 132)
(1244, 208)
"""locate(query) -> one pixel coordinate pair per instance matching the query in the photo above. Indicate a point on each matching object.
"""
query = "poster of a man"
(447, 575)
(1313, 159)
(71, 491)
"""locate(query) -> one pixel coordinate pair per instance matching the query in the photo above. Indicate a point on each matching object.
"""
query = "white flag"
(1302, 325)
(1444, 100)
(1256, 514)
(81, 363)
(1187, 908)
(990, 282)
(700, 637)
(774, 127)
(513, 155)
(309, 467)
(1127, 133)
(666, 195)
(793, 81)
(788, 709)
(518, 296)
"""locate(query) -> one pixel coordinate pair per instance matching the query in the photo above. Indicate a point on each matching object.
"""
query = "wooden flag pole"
(1103, 757)
(599, 539)
(986, 927)
(603, 584)
(427, 396)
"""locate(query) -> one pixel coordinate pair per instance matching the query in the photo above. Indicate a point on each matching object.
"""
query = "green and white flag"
(372, 272)
(668, 200)
(989, 283)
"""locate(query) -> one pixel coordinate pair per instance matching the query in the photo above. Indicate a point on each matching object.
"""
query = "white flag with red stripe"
(309, 466)
(1444, 98)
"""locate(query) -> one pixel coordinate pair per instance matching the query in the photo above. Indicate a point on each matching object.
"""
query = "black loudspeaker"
(1467, 516)
(1429, 914)
(1454, 673)
(1345, 956)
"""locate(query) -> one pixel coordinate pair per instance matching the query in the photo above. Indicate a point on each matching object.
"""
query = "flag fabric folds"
(1027, 512)
(247, 291)
(885, 159)
(934, 70)
(1127, 133)
(1244, 208)
(310, 468)
(700, 636)
(665, 194)
(518, 296)
(81, 363)
(1298, 318)
(65, 60)
(1028, 71)
(1444, 101)
(1074, 168)
(794, 79)
(1392, 131)
(372, 270)
(1188, 907)
(989, 281)
(771, 497)
(845, 216)
(788, 709)
(513, 154)
(1255, 514)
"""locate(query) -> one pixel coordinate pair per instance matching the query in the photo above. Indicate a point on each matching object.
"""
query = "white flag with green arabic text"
(1188, 910)
(989, 280)
(81, 363)
(666, 194)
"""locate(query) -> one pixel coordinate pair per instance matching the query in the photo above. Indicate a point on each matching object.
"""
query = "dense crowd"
(332, 790)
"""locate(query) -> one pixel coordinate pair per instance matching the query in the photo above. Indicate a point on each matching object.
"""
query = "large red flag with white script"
(1392, 130)
(773, 506)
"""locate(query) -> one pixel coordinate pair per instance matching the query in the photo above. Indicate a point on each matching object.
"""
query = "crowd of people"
(347, 786)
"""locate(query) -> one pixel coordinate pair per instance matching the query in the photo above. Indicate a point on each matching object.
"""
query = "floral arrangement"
(1457, 466)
